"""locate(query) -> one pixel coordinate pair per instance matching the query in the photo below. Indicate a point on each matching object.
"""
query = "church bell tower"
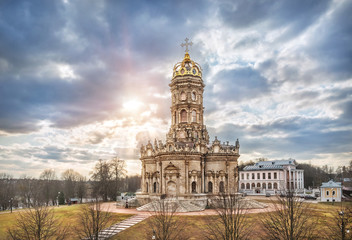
(187, 111)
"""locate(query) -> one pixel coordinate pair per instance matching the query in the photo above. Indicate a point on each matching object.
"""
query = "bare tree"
(69, 184)
(38, 223)
(133, 183)
(118, 171)
(164, 224)
(72, 180)
(49, 186)
(81, 187)
(231, 221)
(26, 189)
(101, 175)
(340, 228)
(91, 221)
(291, 219)
(7, 190)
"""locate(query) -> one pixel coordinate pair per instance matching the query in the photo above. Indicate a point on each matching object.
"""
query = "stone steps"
(119, 227)
(252, 204)
(169, 205)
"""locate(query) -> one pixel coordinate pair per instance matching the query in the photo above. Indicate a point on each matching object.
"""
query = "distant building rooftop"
(271, 165)
(331, 184)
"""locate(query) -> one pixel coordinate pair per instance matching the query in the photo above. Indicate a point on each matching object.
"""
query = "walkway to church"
(111, 207)
(140, 216)
(119, 227)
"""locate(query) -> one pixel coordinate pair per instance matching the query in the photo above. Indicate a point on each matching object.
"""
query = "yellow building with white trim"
(331, 191)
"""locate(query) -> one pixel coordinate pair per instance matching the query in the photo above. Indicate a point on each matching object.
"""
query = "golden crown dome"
(187, 67)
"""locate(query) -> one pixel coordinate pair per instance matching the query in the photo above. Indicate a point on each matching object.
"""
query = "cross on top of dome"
(186, 44)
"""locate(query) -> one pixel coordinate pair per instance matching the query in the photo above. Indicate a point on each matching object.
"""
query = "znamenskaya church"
(188, 165)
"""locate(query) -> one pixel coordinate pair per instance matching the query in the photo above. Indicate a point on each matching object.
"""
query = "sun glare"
(132, 105)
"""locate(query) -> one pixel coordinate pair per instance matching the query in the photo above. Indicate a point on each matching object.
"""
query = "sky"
(88, 80)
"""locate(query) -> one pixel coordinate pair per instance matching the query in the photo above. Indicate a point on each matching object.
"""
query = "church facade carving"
(186, 165)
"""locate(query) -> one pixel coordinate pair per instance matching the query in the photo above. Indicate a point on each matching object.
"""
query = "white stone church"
(186, 166)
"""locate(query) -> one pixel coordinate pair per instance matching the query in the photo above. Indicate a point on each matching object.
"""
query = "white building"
(271, 177)
(330, 191)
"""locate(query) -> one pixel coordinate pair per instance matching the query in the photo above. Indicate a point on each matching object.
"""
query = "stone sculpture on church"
(186, 166)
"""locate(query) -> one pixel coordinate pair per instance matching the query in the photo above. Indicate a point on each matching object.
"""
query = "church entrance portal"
(171, 188)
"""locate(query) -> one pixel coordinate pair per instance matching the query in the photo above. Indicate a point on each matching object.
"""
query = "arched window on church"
(175, 118)
(183, 116)
(170, 148)
(248, 186)
(183, 96)
(210, 187)
(194, 187)
(258, 185)
(154, 187)
(194, 116)
(253, 185)
(222, 187)
(194, 96)
(242, 186)
(269, 186)
(264, 185)
(146, 187)
(275, 185)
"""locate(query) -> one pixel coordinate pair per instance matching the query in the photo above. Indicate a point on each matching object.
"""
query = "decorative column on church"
(160, 177)
(202, 178)
(216, 179)
(186, 177)
(177, 185)
(163, 183)
(143, 177)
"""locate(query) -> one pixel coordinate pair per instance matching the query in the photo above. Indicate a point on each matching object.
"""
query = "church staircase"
(179, 205)
(119, 227)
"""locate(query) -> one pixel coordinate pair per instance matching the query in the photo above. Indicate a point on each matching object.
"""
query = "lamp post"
(341, 213)
(58, 194)
(10, 201)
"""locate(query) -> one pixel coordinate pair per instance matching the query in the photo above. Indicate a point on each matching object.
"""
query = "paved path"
(111, 207)
(119, 227)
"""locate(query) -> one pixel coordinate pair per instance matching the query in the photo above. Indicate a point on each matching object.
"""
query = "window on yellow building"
(327, 193)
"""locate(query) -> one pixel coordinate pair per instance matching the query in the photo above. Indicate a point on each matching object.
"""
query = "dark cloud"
(296, 16)
(238, 85)
(347, 111)
(293, 135)
(332, 48)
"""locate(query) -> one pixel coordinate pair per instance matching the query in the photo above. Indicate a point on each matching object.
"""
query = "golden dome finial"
(187, 58)
(187, 66)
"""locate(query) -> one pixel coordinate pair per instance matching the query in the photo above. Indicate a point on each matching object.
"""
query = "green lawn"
(66, 214)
